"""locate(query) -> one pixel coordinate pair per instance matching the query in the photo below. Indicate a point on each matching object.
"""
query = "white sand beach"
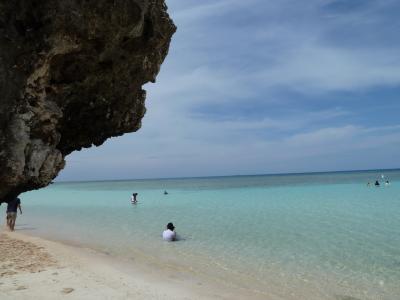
(34, 268)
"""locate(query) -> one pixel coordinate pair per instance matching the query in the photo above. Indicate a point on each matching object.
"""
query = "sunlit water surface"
(305, 236)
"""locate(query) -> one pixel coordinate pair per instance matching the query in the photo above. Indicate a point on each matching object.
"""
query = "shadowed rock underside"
(71, 76)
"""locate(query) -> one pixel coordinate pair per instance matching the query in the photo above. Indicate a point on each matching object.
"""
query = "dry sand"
(34, 268)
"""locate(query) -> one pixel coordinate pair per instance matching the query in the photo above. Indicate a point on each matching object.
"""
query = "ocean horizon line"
(230, 176)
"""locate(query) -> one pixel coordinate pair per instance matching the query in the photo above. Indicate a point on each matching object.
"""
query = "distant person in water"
(387, 182)
(377, 183)
(169, 234)
(165, 193)
(133, 198)
(368, 184)
(12, 208)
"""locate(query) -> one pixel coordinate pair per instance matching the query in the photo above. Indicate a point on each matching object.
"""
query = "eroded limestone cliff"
(71, 76)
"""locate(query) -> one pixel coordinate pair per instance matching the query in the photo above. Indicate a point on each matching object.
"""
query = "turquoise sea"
(299, 236)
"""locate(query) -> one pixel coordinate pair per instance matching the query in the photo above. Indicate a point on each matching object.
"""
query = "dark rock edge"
(71, 76)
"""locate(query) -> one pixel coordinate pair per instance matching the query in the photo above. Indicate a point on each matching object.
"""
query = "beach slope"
(34, 268)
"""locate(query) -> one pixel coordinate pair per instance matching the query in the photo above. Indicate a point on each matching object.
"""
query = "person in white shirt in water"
(133, 198)
(169, 234)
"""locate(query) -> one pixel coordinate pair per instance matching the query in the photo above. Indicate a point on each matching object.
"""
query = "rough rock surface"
(71, 76)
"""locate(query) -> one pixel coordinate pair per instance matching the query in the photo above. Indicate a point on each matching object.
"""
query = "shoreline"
(321, 242)
(44, 269)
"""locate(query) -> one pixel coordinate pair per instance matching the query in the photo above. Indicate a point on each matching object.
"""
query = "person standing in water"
(12, 208)
(133, 198)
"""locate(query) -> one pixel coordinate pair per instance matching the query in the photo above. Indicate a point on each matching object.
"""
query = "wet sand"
(35, 268)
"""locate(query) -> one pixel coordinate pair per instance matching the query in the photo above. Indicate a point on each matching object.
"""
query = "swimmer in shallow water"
(133, 198)
(169, 234)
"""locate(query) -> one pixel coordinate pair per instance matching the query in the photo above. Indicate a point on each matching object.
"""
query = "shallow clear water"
(304, 236)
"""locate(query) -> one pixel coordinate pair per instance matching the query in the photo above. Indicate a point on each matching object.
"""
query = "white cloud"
(251, 54)
(313, 68)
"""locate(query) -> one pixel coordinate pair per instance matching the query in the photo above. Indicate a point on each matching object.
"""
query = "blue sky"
(257, 86)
